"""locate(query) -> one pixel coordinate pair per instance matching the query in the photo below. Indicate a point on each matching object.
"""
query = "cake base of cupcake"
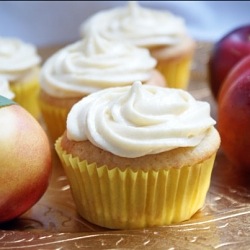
(55, 119)
(54, 112)
(129, 199)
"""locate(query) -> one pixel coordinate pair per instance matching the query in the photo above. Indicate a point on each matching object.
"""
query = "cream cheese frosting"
(139, 25)
(138, 120)
(92, 64)
(5, 89)
(17, 58)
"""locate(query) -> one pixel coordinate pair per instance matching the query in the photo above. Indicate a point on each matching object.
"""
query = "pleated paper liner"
(55, 119)
(176, 72)
(26, 95)
(129, 199)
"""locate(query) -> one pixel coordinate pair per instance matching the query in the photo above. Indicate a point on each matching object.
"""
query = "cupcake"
(19, 65)
(138, 156)
(5, 89)
(163, 33)
(87, 66)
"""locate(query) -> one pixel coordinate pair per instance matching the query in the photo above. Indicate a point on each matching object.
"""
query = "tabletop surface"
(223, 222)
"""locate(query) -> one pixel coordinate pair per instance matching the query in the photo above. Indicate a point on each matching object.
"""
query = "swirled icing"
(141, 26)
(5, 89)
(93, 64)
(17, 58)
(137, 120)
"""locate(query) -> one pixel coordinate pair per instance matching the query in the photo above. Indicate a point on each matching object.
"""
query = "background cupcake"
(5, 89)
(87, 66)
(163, 33)
(138, 156)
(19, 65)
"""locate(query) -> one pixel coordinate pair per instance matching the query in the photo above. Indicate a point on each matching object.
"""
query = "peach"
(25, 160)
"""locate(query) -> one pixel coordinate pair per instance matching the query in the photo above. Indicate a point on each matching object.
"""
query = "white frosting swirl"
(5, 89)
(16, 58)
(93, 64)
(142, 26)
(137, 120)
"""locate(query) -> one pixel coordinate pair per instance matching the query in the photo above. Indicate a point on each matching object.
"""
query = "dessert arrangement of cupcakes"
(20, 65)
(138, 150)
(138, 156)
(164, 34)
(87, 66)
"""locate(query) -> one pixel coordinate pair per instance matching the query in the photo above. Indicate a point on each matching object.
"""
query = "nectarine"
(227, 52)
(234, 115)
(25, 160)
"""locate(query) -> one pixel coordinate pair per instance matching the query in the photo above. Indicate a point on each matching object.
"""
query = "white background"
(46, 23)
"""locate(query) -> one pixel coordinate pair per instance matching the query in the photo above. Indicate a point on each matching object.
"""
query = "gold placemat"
(223, 223)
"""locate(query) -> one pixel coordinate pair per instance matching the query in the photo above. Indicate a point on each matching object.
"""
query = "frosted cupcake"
(87, 66)
(163, 33)
(19, 65)
(138, 156)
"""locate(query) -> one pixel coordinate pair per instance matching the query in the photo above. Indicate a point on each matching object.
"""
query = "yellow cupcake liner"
(129, 199)
(176, 72)
(26, 95)
(54, 118)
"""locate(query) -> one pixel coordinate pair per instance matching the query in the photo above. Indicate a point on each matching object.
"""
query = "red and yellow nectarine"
(25, 160)
(227, 52)
(234, 115)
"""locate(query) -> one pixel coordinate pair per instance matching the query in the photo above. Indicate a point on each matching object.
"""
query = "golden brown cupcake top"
(176, 158)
